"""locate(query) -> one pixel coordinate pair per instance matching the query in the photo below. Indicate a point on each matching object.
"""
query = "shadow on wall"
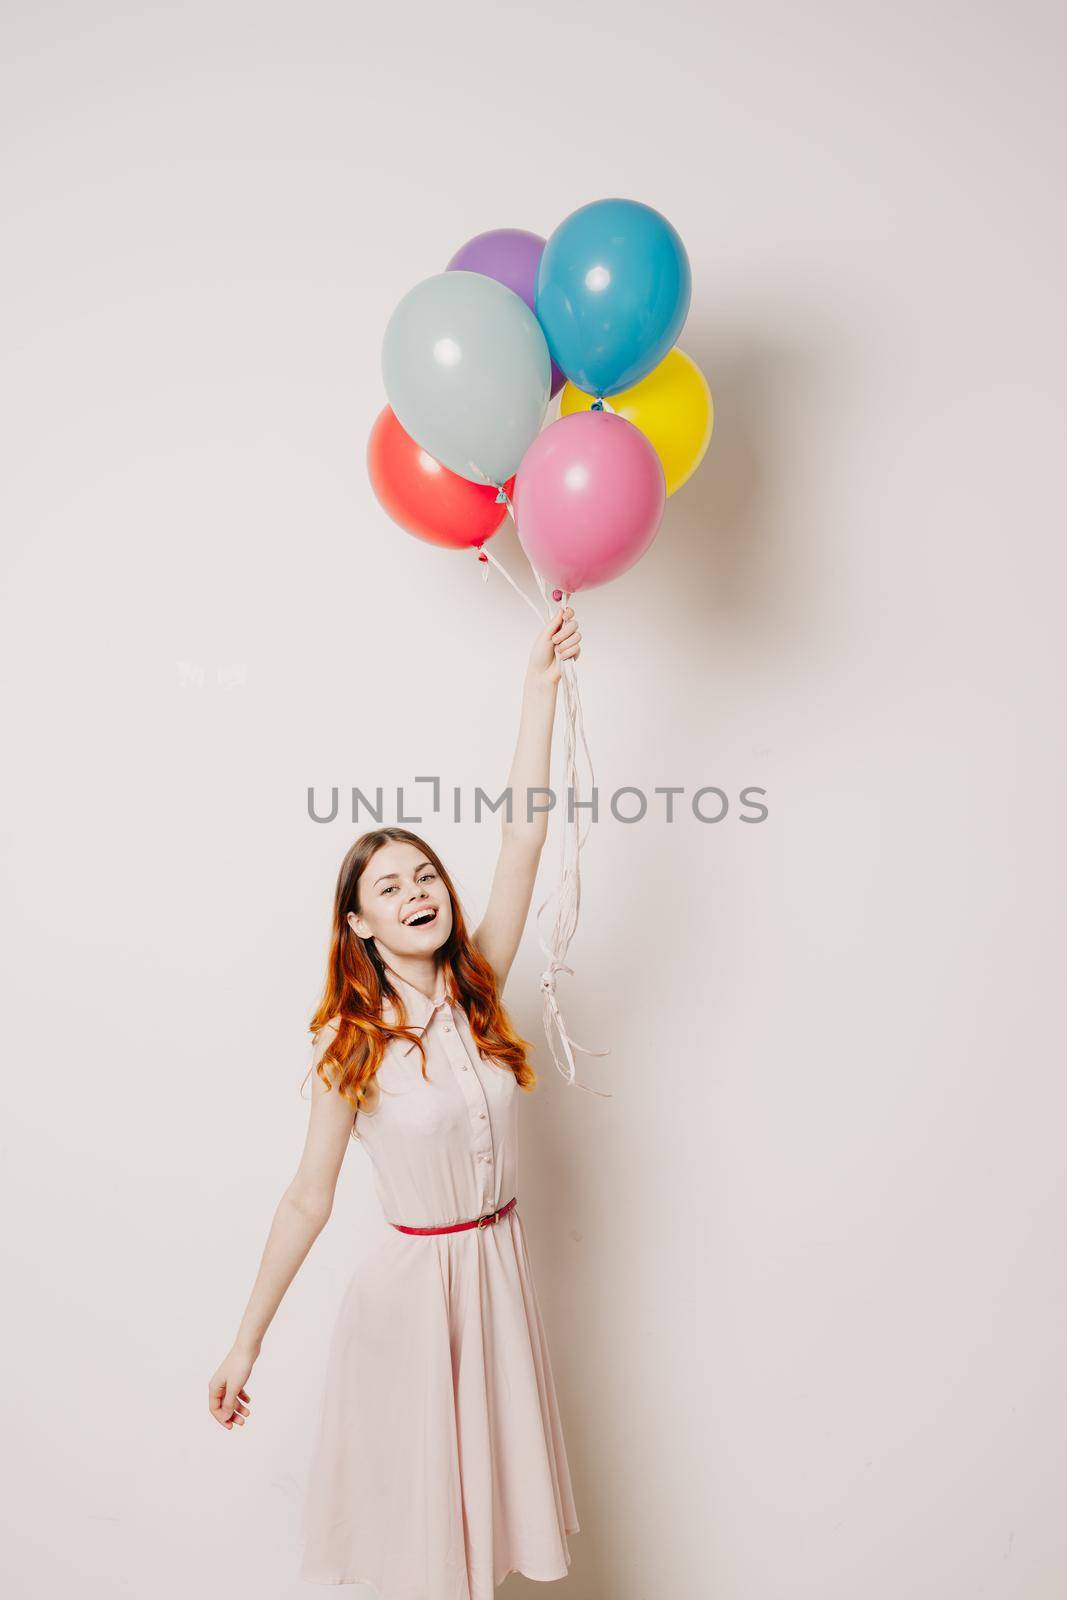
(717, 577)
(728, 529)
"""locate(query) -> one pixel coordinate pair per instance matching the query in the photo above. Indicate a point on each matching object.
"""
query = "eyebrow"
(418, 867)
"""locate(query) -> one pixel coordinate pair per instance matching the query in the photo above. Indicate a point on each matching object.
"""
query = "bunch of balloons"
(472, 357)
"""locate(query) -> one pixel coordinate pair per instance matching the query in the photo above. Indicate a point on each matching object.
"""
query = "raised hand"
(557, 642)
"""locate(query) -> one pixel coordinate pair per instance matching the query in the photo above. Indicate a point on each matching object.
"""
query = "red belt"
(455, 1227)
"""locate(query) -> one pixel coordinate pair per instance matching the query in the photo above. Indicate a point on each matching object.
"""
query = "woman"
(439, 1464)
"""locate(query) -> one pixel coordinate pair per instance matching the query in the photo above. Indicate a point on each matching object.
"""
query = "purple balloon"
(511, 256)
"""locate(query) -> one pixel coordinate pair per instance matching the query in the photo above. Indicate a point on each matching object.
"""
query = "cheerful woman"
(439, 1463)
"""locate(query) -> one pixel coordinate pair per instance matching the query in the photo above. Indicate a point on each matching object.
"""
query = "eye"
(389, 888)
(427, 875)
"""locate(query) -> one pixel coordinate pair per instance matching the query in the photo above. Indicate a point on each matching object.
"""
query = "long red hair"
(357, 982)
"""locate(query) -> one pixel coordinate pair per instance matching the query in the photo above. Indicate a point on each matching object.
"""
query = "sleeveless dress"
(439, 1464)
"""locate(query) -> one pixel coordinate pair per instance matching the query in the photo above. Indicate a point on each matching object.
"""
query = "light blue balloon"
(613, 290)
(467, 372)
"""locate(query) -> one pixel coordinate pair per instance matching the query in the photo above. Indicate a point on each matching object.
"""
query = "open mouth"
(422, 919)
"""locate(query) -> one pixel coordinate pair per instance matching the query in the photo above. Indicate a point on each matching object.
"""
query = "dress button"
(482, 1115)
(448, 1027)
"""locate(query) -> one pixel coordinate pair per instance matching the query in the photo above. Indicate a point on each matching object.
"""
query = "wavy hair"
(357, 983)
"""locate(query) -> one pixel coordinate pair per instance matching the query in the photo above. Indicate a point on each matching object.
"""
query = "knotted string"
(567, 894)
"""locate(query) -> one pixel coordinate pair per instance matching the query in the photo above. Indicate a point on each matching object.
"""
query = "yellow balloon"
(673, 408)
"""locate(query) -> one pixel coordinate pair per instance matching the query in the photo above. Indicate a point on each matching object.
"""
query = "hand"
(557, 642)
(228, 1400)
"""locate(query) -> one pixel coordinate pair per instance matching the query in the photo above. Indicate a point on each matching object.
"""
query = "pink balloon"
(589, 496)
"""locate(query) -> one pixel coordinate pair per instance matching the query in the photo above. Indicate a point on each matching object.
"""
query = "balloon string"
(487, 555)
(567, 895)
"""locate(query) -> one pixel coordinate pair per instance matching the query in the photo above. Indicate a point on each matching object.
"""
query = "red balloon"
(424, 497)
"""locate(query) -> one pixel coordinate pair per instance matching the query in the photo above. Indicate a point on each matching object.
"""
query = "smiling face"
(404, 904)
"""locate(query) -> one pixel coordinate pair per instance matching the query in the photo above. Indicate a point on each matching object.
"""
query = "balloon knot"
(501, 498)
(557, 594)
(482, 556)
(598, 404)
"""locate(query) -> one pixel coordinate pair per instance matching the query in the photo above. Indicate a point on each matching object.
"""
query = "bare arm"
(523, 838)
(303, 1211)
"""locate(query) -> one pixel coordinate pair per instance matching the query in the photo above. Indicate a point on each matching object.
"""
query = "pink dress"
(439, 1465)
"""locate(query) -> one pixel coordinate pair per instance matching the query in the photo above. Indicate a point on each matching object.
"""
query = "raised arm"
(302, 1213)
(523, 838)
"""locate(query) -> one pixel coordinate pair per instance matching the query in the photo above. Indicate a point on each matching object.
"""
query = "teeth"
(421, 918)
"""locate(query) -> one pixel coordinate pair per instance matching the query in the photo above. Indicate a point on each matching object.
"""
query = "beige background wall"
(804, 1272)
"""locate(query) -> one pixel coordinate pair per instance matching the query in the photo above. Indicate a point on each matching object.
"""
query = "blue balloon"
(612, 294)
